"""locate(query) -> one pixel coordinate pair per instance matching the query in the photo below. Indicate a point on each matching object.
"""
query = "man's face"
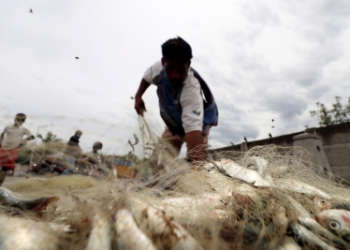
(19, 120)
(176, 72)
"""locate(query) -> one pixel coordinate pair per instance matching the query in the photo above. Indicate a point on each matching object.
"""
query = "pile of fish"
(248, 203)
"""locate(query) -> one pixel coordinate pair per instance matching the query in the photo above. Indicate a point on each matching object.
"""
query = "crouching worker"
(186, 103)
(10, 140)
(95, 159)
(73, 151)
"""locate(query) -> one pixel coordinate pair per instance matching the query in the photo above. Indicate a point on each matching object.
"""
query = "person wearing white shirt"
(186, 103)
(10, 140)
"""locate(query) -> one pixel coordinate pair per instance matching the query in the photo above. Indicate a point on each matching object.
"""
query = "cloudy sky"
(263, 60)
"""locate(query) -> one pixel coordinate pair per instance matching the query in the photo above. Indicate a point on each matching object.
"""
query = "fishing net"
(201, 201)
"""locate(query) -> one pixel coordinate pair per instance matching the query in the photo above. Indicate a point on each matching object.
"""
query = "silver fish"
(300, 187)
(12, 199)
(100, 236)
(129, 236)
(23, 234)
(61, 227)
(195, 209)
(337, 221)
(299, 210)
(259, 164)
(288, 243)
(316, 228)
(166, 234)
(206, 199)
(236, 171)
(280, 220)
(310, 238)
(321, 204)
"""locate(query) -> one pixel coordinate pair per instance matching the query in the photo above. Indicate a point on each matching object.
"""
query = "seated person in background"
(95, 159)
(73, 150)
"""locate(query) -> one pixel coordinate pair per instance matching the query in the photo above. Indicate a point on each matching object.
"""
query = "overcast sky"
(263, 60)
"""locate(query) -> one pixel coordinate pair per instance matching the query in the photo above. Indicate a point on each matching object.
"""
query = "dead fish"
(316, 228)
(100, 236)
(280, 220)
(245, 194)
(337, 221)
(300, 187)
(12, 199)
(236, 171)
(288, 243)
(24, 234)
(305, 236)
(210, 166)
(321, 204)
(299, 210)
(61, 227)
(279, 171)
(195, 209)
(166, 234)
(207, 199)
(259, 164)
(129, 236)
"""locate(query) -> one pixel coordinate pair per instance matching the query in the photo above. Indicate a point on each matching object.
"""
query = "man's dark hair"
(21, 115)
(177, 49)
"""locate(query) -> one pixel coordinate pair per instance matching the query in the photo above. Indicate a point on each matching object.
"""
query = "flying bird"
(245, 139)
(270, 135)
(273, 120)
(272, 126)
(30, 10)
(76, 57)
(132, 97)
(232, 143)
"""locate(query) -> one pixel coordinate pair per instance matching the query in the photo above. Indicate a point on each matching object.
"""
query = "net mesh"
(219, 211)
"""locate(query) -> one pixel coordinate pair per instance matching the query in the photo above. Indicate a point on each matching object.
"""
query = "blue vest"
(170, 106)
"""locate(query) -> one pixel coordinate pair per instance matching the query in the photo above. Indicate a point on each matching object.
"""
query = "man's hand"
(196, 149)
(30, 138)
(139, 105)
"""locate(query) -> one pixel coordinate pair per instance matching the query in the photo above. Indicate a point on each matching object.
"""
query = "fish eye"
(333, 224)
(323, 201)
(222, 202)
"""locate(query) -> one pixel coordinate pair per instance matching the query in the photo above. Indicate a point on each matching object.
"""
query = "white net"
(267, 198)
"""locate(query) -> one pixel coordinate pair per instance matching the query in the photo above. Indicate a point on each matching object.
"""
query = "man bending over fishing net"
(186, 103)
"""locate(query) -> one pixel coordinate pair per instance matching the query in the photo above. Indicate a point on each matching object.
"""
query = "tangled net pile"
(267, 198)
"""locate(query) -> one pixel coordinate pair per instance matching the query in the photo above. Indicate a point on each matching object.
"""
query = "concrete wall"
(335, 141)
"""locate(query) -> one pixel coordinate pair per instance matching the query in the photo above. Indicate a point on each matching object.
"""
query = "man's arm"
(139, 104)
(28, 134)
(195, 146)
(2, 137)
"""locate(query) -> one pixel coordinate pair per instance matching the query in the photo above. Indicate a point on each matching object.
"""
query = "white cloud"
(262, 60)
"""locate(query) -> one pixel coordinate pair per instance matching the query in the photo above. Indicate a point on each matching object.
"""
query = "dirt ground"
(11, 179)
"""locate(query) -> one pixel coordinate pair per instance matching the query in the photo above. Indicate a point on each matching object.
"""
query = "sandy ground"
(11, 179)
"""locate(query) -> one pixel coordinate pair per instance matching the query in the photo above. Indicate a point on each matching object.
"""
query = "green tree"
(338, 114)
(50, 137)
(35, 152)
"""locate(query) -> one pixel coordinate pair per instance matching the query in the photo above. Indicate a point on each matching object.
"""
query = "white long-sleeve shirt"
(191, 99)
